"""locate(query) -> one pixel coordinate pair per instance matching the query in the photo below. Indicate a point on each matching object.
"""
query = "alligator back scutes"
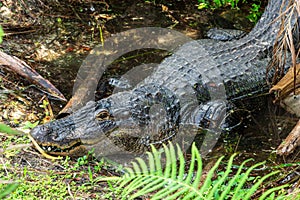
(157, 105)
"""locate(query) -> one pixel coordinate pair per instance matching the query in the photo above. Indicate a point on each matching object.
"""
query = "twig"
(69, 191)
(284, 41)
(4, 166)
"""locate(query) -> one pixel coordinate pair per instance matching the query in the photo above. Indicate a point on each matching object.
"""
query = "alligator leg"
(211, 116)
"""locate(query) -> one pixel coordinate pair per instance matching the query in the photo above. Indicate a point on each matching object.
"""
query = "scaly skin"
(235, 69)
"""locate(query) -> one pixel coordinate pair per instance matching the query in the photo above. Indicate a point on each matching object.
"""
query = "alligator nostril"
(35, 133)
(39, 131)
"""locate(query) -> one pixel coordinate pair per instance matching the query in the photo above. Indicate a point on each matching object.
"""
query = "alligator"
(195, 85)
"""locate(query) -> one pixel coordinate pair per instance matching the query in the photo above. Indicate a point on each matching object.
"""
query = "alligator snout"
(40, 132)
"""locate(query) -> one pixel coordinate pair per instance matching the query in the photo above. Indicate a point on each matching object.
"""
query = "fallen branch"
(291, 141)
(288, 95)
(27, 72)
(287, 85)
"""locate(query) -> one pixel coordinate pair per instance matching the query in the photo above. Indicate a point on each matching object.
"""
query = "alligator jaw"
(72, 149)
(67, 147)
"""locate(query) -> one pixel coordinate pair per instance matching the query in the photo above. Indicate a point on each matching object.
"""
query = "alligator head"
(68, 135)
(123, 121)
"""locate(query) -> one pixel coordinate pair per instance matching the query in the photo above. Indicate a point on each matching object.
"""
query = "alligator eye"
(44, 129)
(103, 115)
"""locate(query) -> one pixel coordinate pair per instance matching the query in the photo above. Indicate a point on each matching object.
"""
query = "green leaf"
(1, 34)
(29, 125)
(8, 189)
(202, 6)
(8, 130)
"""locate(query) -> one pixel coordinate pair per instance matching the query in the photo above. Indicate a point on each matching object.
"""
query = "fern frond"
(170, 181)
(271, 191)
(233, 180)
(223, 178)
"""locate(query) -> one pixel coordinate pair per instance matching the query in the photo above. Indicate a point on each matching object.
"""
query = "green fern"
(171, 182)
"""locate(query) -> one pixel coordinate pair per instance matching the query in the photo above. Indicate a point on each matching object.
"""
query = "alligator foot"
(291, 142)
(210, 117)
